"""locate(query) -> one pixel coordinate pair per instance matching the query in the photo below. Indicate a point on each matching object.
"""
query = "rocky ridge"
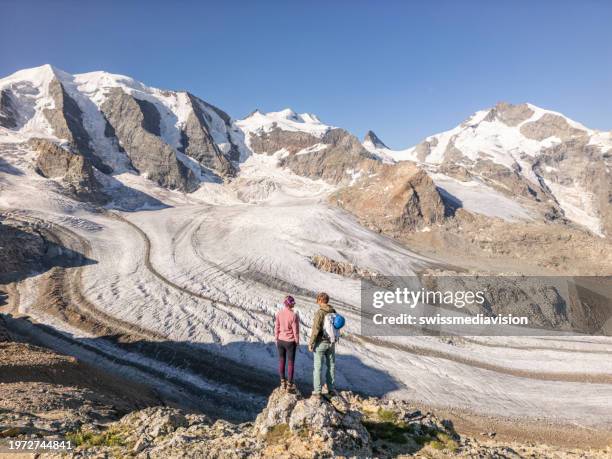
(290, 426)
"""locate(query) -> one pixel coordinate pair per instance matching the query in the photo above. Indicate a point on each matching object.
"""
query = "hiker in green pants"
(323, 348)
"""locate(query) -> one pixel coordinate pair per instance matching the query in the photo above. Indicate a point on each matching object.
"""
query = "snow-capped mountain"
(173, 138)
(307, 146)
(537, 157)
(514, 162)
(174, 231)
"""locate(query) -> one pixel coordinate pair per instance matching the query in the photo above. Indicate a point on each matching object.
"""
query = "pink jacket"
(287, 325)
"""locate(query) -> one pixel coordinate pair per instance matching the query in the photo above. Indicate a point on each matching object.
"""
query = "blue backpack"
(332, 324)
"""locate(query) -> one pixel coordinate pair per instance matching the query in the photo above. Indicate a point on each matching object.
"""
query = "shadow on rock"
(232, 380)
(25, 252)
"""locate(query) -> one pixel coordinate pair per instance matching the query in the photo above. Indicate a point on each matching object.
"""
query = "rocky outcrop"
(534, 248)
(277, 139)
(21, 251)
(549, 125)
(423, 149)
(507, 180)
(334, 156)
(74, 171)
(66, 120)
(277, 411)
(136, 124)
(340, 157)
(581, 171)
(198, 143)
(374, 140)
(509, 114)
(393, 199)
(308, 427)
(346, 269)
(8, 113)
(345, 425)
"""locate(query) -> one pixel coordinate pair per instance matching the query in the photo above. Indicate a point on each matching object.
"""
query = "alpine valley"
(150, 235)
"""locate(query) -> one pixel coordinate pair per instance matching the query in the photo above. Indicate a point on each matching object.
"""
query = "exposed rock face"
(234, 152)
(522, 247)
(8, 113)
(278, 139)
(394, 199)
(277, 411)
(345, 269)
(336, 163)
(550, 125)
(374, 140)
(75, 171)
(511, 115)
(506, 180)
(424, 148)
(156, 421)
(582, 173)
(290, 427)
(335, 432)
(135, 123)
(21, 251)
(199, 144)
(66, 120)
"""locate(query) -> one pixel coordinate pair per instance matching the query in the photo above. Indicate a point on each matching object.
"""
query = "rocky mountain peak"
(511, 115)
(372, 139)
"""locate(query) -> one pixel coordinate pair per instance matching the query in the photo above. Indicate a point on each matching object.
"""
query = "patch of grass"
(303, 433)
(435, 444)
(278, 433)
(436, 440)
(89, 439)
(389, 431)
(387, 415)
(447, 441)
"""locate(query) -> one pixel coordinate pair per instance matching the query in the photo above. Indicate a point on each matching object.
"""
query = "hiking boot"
(316, 396)
(283, 384)
(291, 387)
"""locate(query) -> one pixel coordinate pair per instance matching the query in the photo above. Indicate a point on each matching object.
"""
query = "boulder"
(278, 411)
(332, 426)
(155, 422)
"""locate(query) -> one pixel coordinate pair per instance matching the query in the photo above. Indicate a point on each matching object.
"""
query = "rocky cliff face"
(197, 142)
(8, 113)
(136, 123)
(276, 139)
(338, 157)
(66, 121)
(74, 171)
(173, 138)
(373, 141)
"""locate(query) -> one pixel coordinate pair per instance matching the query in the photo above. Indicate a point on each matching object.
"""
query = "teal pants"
(324, 351)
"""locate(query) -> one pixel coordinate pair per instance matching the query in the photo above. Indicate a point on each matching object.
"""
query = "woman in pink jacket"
(287, 335)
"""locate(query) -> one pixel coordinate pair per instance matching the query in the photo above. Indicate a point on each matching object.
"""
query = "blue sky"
(403, 69)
